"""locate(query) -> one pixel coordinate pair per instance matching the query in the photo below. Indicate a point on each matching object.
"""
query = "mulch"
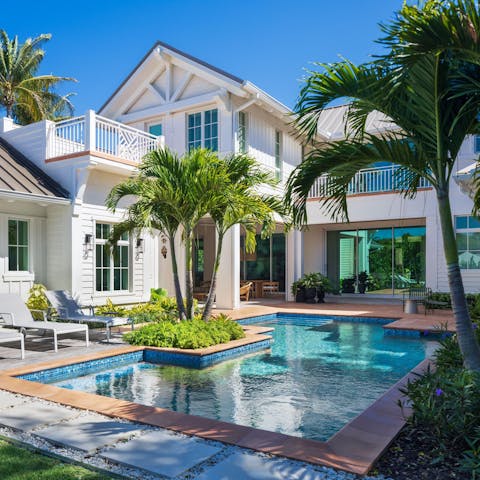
(415, 456)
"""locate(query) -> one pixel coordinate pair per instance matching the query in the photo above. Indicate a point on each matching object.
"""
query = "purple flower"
(438, 392)
(475, 326)
(425, 332)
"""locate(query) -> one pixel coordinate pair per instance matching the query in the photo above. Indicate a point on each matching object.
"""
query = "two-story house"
(54, 226)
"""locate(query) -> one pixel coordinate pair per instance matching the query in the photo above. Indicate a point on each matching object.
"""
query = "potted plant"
(363, 282)
(310, 282)
(348, 285)
(324, 286)
(298, 290)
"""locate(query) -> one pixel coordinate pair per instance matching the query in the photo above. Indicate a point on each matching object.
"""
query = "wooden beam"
(181, 86)
(153, 89)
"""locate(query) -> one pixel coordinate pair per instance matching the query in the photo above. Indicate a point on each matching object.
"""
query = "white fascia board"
(152, 112)
(30, 197)
(279, 108)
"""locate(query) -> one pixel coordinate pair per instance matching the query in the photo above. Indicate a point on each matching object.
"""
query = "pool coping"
(355, 448)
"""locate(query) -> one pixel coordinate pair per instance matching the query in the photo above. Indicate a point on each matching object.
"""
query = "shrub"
(192, 334)
(111, 309)
(157, 294)
(37, 300)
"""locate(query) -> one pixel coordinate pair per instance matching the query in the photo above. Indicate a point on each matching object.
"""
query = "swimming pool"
(319, 374)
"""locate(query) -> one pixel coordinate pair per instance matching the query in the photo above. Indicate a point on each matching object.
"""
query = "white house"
(174, 99)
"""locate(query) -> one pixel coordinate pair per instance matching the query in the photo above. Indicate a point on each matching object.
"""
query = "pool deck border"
(355, 448)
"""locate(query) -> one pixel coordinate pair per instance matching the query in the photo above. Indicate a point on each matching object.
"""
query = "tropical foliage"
(193, 334)
(27, 96)
(174, 193)
(430, 91)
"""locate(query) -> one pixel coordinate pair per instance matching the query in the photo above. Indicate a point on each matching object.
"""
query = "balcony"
(368, 180)
(94, 134)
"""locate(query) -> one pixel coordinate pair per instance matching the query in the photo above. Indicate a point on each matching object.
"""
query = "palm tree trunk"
(465, 333)
(189, 273)
(176, 280)
(207, 310)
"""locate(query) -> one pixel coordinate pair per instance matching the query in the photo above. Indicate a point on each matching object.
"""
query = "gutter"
(32, 197)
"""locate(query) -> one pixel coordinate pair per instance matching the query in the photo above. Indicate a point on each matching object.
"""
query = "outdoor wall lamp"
(164, 250)
(87, 243)
(138, 248)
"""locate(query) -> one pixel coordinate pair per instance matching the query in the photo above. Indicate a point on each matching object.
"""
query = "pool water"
(318, 375)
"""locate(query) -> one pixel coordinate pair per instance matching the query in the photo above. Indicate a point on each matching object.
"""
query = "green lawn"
(22, 464)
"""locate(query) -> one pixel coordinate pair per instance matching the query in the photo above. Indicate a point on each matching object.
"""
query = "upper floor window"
(156, 129)
(202, 130)
(278, 155)
(111, 265)
(468, 241)
(242, 132)
(476, 145)
(18, 245)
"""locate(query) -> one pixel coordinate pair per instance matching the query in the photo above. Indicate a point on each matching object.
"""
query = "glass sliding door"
(393, 258)
(268, 261)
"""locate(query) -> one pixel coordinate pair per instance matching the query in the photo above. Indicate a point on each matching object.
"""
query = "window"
(278, 155)
(18, 245)
(111, 265)
(202, 130)
(476, 146)
(242, 132)
(156, 129)
(468, 241)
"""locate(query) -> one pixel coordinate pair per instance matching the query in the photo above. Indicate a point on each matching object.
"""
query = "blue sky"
(267, 42)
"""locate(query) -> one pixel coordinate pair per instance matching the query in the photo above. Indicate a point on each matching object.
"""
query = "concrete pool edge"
(355, 448)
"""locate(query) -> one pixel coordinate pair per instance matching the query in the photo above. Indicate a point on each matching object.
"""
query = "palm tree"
(26, 96)
(172, 195)
(241, 202)
(428, 95)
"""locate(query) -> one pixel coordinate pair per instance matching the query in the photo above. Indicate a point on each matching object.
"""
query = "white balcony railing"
(94, 133)
(369, 180)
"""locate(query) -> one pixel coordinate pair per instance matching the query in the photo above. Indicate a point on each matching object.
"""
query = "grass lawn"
(21, 464)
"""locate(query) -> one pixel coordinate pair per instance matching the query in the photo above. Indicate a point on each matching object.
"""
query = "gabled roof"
(236, 82)
(19, 175)
(331, 124)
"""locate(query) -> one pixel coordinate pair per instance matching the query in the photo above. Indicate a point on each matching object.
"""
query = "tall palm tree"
(429, 97)
(26, 96)
(241, 202)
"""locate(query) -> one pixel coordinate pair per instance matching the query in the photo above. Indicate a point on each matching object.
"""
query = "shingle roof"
(19, 174)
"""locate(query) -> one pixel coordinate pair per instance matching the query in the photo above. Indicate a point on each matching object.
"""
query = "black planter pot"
(320, 295)
(348, 289)
(362, 287)
(300, 295)
(310, 294)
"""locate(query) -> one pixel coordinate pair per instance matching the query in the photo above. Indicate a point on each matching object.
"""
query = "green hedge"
(194, 333)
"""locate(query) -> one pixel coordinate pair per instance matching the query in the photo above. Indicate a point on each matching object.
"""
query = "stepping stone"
(249, 466)
(161, 452)
(88, 432)
(8, 399)
(33, 414)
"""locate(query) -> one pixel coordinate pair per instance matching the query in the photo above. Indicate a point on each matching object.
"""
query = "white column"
(294, 260)
(90, 136)
(228, 280)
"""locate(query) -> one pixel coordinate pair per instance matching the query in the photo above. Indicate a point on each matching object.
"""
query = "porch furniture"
(410, 306)
(245, 291)
(269, 288)
(423, 296)
(68, 309)
(7, 336)
(16, 315)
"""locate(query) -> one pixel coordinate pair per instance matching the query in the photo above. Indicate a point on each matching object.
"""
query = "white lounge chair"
(7, 336)
(14, 313)
(68, 309)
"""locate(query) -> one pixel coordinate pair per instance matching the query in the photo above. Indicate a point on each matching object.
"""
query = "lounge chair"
(7, 336)
(68, 309)
(245, 291)
(15, 314)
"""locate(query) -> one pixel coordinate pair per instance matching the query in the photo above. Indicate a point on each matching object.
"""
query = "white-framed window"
(156, 129)
(278, 155)
(202, 130)
(468, 241)
(112, 265)
(18, 248)
(242, 132)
